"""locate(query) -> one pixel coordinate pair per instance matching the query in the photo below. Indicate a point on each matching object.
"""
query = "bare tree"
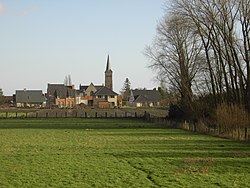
(223, 27)
(244, 45)
(176, 56)
(67, 81)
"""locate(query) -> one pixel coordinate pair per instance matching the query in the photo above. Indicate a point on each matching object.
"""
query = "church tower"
(108, 75)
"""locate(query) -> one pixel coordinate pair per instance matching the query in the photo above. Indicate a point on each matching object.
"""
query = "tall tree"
(176, 55)
(224, 29)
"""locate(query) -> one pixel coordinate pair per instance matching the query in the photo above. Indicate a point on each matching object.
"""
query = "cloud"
(2, 8)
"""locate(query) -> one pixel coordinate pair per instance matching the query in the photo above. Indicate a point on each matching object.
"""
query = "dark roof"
(29, 96)
(81, 88)
(61, 91)
(146, 95)
(98, 87)
(141, 98)
(104, 91)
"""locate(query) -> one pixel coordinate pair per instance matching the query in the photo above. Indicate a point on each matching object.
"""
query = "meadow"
(67, 152)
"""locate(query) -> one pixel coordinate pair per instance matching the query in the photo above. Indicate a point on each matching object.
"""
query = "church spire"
(108, 67)
(108, 75)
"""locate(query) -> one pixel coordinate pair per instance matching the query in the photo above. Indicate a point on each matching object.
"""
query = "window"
(112, 96)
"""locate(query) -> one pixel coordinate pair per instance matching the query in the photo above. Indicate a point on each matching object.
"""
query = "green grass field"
(116, 153)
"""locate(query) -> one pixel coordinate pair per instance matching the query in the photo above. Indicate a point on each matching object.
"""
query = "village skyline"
(42, 42)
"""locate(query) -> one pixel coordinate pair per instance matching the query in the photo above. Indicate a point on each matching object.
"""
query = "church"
(66, 96)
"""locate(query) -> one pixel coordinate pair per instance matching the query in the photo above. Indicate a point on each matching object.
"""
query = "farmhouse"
(144, 98)
(29, 98)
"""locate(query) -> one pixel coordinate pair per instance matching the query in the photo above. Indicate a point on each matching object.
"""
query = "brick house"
(97, 96)
(59, 95)
(105, 97)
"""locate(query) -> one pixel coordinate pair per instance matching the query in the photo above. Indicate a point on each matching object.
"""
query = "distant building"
(29, 98)
(144, 98)
(108, 75)
(98, 96)
(105, 97)
(59, 95)
(65, 96)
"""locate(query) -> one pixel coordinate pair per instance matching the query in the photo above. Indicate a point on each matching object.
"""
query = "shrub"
(232, 119)
(175, 112)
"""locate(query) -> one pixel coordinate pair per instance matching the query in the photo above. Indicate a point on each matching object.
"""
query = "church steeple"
(108, 75)
(108, 66)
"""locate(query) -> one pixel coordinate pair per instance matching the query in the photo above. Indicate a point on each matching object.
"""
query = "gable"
(91, 88)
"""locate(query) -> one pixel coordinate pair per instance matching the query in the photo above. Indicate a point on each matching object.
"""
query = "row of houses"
(61, 96)
(67, 96)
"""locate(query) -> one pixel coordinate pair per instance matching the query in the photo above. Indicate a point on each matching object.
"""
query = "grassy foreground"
(116, 153)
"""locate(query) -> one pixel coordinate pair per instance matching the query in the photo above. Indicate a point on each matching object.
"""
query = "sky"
(42, 41)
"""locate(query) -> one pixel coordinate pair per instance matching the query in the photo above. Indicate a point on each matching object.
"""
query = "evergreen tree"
(126, 89)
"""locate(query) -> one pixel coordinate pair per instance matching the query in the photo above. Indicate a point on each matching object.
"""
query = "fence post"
(96, 114)
(135, 114)
(115, 114)
(76, 114)
(36, 114)
(66, 115)
(106, 114)
(86, 115)
(46, 114)
(26, 114)
(246, 134)
(56, 114)
(126, 114)
(6, 115)
(16, 114)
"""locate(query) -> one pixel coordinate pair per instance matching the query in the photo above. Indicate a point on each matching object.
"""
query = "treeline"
(202, 52)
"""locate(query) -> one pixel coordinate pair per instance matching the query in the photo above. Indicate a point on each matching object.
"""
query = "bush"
(175, 112)
(232, 119)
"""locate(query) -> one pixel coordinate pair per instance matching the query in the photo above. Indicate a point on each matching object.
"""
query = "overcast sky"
(42, 41)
